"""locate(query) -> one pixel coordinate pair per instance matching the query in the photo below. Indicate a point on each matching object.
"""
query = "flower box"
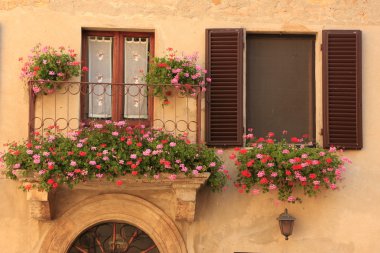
(268, 165)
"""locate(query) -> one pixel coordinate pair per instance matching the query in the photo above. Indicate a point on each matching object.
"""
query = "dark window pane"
(280, 84)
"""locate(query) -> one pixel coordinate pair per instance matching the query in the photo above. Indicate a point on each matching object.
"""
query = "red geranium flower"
(297, 167)
(294, 140)
(246, 173)
(243, 151)
(27, 187)
(250, 163)
(162, 65)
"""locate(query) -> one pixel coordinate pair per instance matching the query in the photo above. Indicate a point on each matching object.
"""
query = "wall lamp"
(286, 222)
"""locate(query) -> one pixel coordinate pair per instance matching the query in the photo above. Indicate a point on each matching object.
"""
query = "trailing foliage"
(108, 151)
(271, 165)
(48, 64)
(182, 73)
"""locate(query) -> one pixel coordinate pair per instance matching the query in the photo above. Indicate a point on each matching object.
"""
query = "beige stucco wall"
(343, 221)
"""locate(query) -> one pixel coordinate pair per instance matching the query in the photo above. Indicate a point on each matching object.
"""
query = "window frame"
(224, 55)
(117, 105)
(352, 139)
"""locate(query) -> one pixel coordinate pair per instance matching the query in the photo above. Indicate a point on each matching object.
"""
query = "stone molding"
(185, 190)
(118, 208)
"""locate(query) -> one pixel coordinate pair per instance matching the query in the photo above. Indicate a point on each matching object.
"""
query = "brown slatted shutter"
(342, 84)
(224, 97)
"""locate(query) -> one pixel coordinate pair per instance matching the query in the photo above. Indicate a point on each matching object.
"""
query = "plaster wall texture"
(343, 221)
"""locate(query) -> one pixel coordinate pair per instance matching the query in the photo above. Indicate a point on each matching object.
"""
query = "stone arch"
(119, 208)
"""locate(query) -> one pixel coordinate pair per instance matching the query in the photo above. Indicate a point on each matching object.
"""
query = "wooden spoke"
(99, 244)
(81, 250)
(148, 249)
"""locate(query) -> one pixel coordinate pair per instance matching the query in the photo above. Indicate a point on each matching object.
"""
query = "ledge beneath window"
(184, 190)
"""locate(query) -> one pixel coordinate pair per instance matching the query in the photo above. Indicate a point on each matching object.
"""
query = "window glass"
(280, 84)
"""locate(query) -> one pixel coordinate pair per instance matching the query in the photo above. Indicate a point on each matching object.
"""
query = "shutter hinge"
(321, 47)
(321, 132)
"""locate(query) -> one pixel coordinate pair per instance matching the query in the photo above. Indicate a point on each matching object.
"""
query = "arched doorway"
(113, 237)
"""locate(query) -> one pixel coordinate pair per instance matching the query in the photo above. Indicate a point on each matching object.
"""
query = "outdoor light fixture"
(286, 222)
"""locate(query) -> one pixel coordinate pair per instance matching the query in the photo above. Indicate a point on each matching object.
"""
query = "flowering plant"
(109, 151)
(48, 64)
(271, 165)
(182, 73)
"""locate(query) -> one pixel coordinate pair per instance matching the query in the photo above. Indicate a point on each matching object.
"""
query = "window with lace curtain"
(114, 87)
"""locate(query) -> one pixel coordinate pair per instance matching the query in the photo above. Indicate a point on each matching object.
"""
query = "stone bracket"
(39, 204)
(186, 200)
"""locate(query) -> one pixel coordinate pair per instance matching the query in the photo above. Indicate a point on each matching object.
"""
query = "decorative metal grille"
(111, 237)
(73, 103)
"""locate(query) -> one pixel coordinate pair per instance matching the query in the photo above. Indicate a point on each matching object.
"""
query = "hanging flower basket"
(174, 72)
(47, 64)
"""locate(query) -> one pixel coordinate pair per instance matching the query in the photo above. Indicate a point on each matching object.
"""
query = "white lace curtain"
(135, 64)
(100, 71)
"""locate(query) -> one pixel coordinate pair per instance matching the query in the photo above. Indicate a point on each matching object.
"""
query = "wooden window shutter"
(224, 97)
(342, 85)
